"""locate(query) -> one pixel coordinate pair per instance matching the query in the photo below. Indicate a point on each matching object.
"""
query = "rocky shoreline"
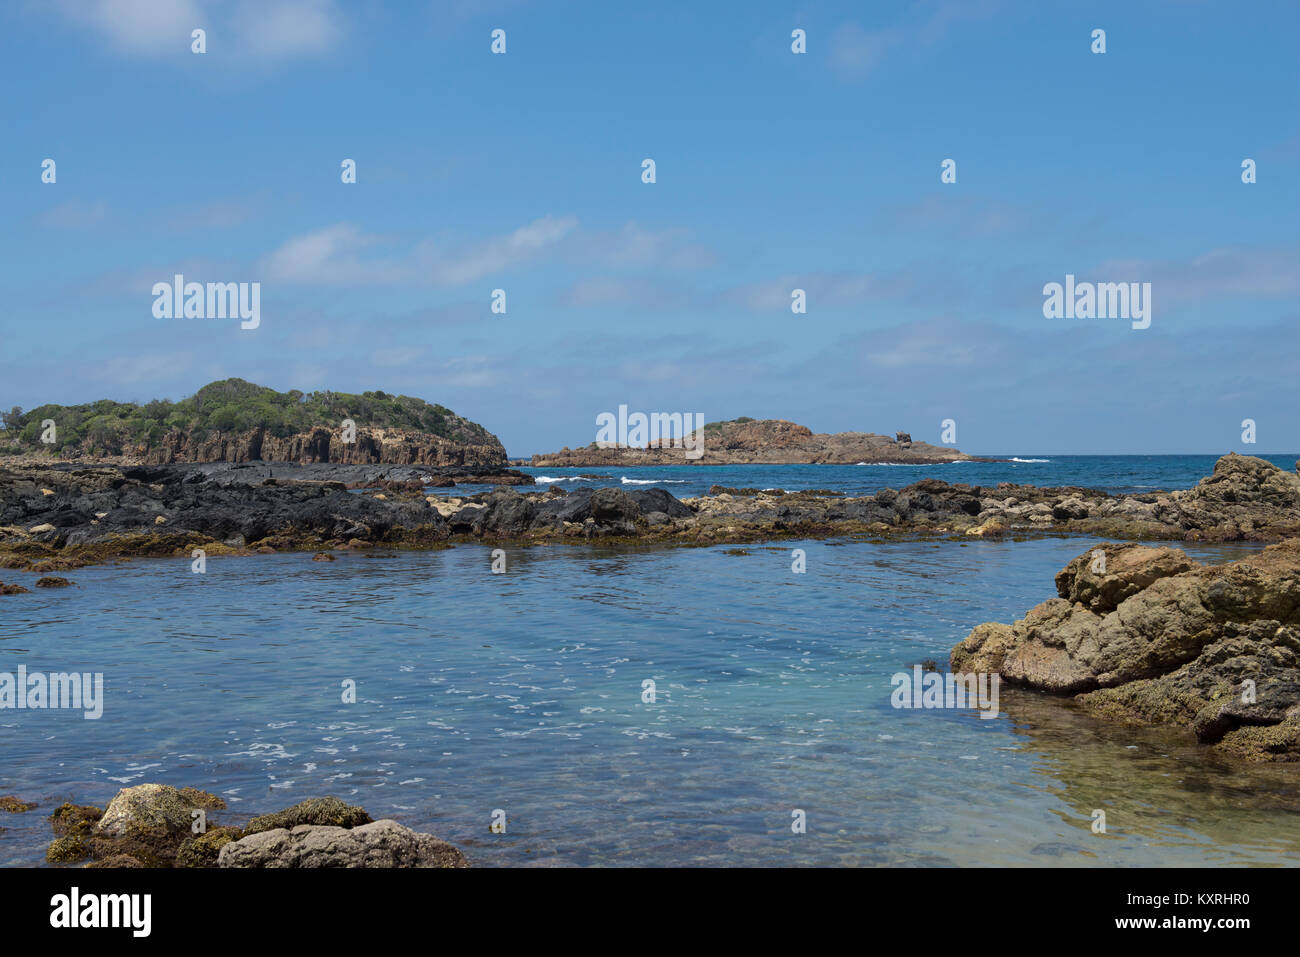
(1137, 633)
(56, 518)
(154, 825)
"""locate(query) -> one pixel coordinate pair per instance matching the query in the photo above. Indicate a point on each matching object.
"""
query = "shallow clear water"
(523, 692)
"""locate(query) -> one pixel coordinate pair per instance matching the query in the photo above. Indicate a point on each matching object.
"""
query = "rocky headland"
(58, 518)
(747, 441)
(234, 421)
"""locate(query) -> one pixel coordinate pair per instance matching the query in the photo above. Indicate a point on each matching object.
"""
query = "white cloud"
(148, 27)
(1225, 273)
(287, 28)
(333, 255)
(495, 255)
(855, 52)
(327, 255)
(243, 29)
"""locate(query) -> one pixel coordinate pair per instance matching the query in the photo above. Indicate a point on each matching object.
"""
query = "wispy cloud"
(856, 51)
(245, 29)
(342, 254)
(827, 289)
(1226, 273)
(965, 216)
(639, 292)
(73, 214)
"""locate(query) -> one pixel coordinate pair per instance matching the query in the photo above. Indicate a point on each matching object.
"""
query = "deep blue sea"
(1111, 473)
(523, 692)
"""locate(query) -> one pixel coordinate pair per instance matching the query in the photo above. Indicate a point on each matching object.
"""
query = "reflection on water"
(523, 692)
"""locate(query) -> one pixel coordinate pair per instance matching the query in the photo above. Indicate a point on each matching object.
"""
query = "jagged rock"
(1243, 496)
(1101, 583)
(276, 509)
(379, 844)
(1160, 639)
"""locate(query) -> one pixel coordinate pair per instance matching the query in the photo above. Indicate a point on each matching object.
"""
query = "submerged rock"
(379, 844)
(321, 811)
(1148, 635)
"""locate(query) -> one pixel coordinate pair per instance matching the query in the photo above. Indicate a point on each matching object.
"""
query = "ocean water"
(523, 692)
(1110, 473)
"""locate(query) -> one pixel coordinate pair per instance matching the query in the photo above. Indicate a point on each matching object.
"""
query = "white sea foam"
(627, 481)
(907, 465)
(1014, 459)
(564, 478)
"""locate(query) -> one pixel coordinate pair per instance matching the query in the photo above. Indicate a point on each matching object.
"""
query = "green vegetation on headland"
(107, 427)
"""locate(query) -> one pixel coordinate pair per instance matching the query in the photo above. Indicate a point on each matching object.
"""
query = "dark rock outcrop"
(55, 520)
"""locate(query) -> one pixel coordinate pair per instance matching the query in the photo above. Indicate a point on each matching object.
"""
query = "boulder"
(1242, 498)
(145, 807)
(379, 844)
(1103, 577)
(1156, 638)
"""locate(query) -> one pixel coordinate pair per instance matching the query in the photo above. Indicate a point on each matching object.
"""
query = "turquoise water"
(523, 692)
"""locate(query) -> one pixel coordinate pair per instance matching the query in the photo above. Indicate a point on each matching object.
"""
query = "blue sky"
(775, 171)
